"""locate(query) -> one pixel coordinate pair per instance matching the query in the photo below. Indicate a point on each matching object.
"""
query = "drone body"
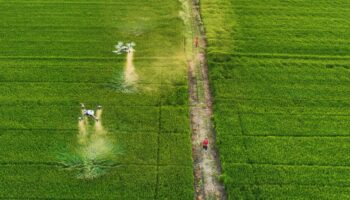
(124, 48)
(88, 113)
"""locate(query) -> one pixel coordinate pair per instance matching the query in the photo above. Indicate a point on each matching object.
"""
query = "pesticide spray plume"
(83, 134)
(93, 148)
(130, 75)
(98, 124)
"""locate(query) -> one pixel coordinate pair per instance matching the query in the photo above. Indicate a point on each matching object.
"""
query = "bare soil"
(207, 167)
(206, 162)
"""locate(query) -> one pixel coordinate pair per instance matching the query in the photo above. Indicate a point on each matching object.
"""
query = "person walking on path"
(205, 143)
(196, 42)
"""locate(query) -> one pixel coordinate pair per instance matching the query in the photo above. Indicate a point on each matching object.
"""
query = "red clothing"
(205, 142)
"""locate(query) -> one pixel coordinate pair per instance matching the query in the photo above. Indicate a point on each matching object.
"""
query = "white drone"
(124, 48)
(88, 113)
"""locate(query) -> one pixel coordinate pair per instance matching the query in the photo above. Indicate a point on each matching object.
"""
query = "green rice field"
(56, 54)
(279, 72)
(280, 77)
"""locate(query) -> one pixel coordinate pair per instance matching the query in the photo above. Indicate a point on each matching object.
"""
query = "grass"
(279, 72)
(56, 54)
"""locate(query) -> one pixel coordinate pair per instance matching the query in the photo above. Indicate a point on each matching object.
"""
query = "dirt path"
(207, 167)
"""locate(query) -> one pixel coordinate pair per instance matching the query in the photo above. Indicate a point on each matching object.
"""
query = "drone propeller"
(131, 44)
(119, 45)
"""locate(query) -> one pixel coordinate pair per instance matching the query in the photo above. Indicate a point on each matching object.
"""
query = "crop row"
(93, 93)
(282, 107)
(292, 191)
(56, 29)
(168, 118)
(128, 182)
(111, 74)
(231, 89)
(274, 71)
(46, 182)
(289, 174)
(281, 124)
(39, 146)
(327, 151)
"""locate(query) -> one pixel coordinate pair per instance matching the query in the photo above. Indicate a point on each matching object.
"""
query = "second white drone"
(124, 48)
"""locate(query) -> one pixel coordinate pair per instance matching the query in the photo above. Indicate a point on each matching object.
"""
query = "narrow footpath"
(207, 168)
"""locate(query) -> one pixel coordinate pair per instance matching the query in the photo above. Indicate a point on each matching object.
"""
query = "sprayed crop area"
(55, 55)
(280, 77)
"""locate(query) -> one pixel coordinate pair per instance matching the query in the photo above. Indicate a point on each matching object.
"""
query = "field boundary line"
(82, 58)
(292, 165)
(86, 83)
(44, 198)
(59, 165)
(295, 114)
(294, 184)
(315, 81)
(296, 136)
(36, 129)
(113, 165)
(284, 98)
(158, 140)
(275, 56)
(63, 130)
